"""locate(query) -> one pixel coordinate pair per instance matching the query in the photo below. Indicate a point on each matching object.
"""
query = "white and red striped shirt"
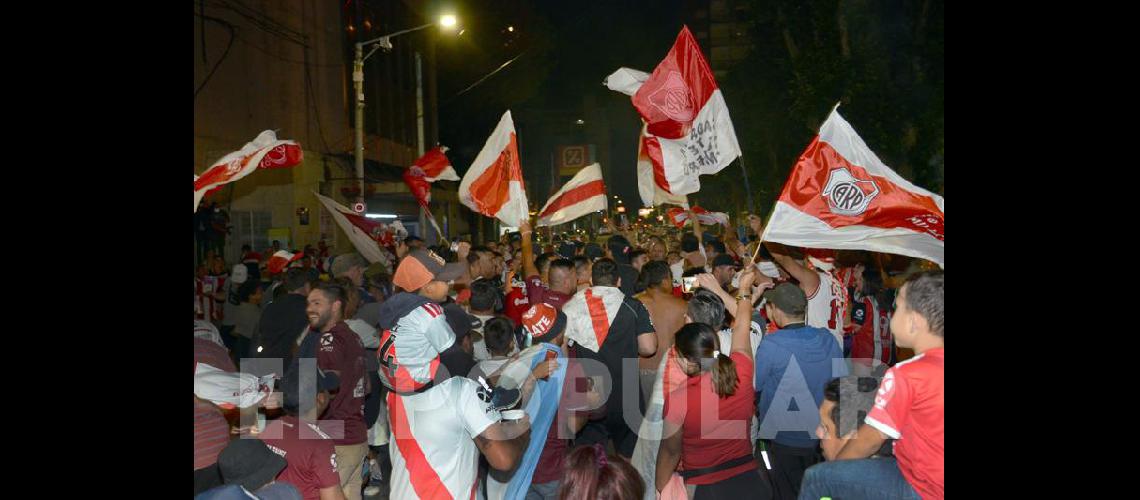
(828, 306)
(435, 456)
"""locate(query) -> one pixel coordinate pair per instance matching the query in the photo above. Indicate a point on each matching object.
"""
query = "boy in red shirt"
(908, 407)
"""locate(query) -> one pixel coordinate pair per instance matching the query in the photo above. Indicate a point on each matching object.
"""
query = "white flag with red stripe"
(265, 151)
(584, 194)
(686, 114)
(280, 260)
(840, 195)
(679, 217)
(493, 186)
(590, 313)
(362, 232)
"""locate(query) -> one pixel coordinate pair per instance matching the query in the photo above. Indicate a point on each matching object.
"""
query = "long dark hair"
(696, 343)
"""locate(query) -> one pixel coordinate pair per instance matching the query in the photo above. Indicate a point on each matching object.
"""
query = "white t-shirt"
(827, 307)
(433, 451)
(480, 352)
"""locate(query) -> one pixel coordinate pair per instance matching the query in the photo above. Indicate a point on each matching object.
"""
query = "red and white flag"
(265, 151)
(280, 260)
(590, 313)
(435, 166)
(840, 195)
(679, 217)
(651, 174)
(431, 167)
(584, 194)
(362, 232)
(687, 114)
(493, 186)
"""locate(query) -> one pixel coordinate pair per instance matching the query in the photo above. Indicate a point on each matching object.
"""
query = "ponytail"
(698, 343)
(724, 377)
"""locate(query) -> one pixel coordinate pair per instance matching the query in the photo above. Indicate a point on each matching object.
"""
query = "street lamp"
(383, 42)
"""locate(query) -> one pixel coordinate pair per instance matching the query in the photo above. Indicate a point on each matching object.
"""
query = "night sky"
(568, 48)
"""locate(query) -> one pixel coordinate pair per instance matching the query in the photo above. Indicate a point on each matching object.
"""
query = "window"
(249, 228)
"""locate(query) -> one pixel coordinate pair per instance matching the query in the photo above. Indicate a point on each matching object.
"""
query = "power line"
(229, 44)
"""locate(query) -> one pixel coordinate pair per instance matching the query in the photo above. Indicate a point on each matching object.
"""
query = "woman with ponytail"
(706, 428)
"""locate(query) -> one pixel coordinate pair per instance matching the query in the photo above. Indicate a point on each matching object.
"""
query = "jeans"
(869, 478)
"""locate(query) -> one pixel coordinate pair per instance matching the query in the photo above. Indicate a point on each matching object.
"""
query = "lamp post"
(382, 42)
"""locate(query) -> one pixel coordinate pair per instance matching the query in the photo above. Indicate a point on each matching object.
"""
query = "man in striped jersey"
(439, 424)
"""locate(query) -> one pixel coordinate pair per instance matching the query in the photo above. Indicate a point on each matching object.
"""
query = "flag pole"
(747, 190)
(760, 237)
(434, 224)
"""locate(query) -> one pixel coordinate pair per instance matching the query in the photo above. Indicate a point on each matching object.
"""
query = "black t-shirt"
(282, 322)
(621, 343)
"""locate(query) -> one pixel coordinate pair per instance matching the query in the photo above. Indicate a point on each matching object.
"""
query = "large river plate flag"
(686, 113)
(840, 195)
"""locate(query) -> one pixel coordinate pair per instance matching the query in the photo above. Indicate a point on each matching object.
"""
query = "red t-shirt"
(714, 429)
(537, 291)
(516, 302)
(909, 407)
(871, 343)
(309, 452)
(551, 462)
(340, 350)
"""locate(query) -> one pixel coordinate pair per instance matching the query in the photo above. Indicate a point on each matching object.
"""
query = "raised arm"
(809, 280)
(529, 269)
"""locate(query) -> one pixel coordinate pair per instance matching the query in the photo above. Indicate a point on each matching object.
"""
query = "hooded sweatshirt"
(413, 332)
(791, 400)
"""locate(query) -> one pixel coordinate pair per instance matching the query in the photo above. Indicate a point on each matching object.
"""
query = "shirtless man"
(667, 312)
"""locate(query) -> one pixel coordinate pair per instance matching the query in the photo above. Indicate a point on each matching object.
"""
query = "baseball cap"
(422, 266)
(342, 263)
(594, 251)
(542, 322)
(567, 249)
(460, 321)
(788, 298)
(723, 260)
(296, 379)
(249, 463)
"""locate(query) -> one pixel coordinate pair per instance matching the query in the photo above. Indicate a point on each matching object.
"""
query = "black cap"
(723, 260)
(296, 378)
(594, 251)
(250, 463)
(460, 322)
(567, 249)
(788, 298)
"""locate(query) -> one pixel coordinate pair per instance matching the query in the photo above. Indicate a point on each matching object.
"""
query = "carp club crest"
(847, 194)
(673, 98)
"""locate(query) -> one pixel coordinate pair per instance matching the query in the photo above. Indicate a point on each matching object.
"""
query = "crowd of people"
(641, 363)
